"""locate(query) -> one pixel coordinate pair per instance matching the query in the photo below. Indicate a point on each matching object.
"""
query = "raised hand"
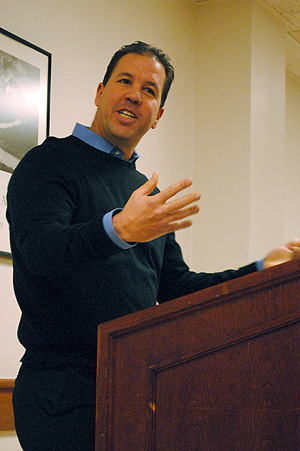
(147, 217)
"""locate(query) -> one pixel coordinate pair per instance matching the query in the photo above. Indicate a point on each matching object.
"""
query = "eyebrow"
(129, 75)
(126, 74)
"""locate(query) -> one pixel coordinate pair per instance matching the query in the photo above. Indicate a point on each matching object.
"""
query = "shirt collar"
(86, 135)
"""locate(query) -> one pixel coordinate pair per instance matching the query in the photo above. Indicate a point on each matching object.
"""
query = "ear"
(98, 94)
(159, 115)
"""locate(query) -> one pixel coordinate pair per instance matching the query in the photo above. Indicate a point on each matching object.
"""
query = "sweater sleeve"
(42, 203)
(177, 280)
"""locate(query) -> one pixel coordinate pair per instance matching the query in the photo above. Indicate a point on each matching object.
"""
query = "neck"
(127, 152)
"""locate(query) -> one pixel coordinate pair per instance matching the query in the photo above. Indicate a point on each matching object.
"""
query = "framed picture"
(25, 78)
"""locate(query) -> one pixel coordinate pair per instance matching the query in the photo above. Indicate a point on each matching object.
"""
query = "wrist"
(120, 227)
(112, 233)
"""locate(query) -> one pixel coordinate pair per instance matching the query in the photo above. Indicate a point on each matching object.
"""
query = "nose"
(133, 94)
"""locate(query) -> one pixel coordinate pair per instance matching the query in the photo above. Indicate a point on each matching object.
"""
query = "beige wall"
(267, 132)
(206, 129)
(240, 134)
(292, 159)
(222, 135)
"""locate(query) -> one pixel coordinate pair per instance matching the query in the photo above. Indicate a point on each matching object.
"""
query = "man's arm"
(147, 217)
(44, 196)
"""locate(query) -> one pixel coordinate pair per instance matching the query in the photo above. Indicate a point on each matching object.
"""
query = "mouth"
(127, 114)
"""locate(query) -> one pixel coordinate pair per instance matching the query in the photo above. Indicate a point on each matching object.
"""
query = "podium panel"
(217, 370)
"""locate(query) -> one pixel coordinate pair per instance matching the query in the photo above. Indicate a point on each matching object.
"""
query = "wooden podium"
(218, 370)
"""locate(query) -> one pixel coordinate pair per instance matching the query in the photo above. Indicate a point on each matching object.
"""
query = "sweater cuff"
(259, 264)
(109, 229)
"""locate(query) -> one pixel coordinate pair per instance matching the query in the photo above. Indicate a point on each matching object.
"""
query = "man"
(92, 239)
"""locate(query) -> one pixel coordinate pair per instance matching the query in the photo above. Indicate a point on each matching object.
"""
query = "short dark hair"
(141, 48)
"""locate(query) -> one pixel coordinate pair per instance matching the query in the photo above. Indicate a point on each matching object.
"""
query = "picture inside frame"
(19, 111)
(25, 71)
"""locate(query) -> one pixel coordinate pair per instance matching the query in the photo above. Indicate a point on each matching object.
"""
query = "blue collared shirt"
(85, 134)
(88, 136)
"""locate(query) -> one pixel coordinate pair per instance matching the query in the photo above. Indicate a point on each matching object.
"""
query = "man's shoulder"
(55, 143)
(53, 154)
(52, 147)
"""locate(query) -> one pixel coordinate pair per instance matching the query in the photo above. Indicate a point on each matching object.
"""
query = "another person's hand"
(145, 217)
(283, 254)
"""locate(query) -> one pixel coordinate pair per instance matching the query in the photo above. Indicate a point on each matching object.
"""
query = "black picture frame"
(25, 84)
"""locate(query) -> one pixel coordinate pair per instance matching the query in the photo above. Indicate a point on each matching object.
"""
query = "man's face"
(129, 104)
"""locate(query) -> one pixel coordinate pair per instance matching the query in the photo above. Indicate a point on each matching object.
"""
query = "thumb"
(296, 252)
(149, 186)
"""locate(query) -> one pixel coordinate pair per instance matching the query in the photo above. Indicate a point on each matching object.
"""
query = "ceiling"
(289, 12)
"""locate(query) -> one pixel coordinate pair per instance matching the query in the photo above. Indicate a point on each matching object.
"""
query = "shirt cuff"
(259, 264)
(109, 229)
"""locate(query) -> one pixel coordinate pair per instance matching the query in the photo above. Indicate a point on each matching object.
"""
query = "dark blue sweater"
(68, 275)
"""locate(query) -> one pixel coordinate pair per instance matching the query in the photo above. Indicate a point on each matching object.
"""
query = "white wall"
(240, 133)
(292, 159)
(10, 349)
(223, 134)
(267, 137)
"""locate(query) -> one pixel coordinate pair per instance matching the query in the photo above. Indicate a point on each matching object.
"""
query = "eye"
(150, 91)
(125, 81)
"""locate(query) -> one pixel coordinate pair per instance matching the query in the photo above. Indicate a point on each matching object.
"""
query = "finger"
(149, 186)
(296, 252)
(171, 190)
(182, 202)
(174, 226)
(294, 243)
(184, 224)
(181, 214)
